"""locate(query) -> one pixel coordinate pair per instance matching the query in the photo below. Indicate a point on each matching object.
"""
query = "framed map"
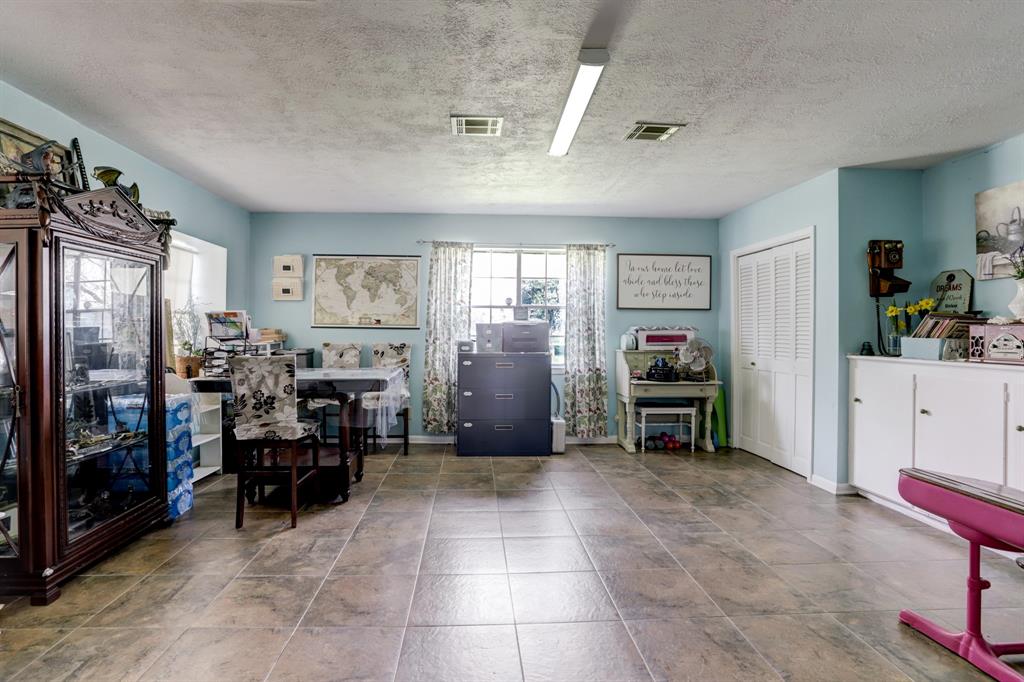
(366, 291)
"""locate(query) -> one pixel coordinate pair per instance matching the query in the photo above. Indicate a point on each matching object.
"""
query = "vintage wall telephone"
(885, 256)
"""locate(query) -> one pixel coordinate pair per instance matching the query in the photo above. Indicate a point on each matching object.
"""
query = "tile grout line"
(508, 578)
(93, 615)
(684, 569)
(604, 584)
(419, 565)
(323, 582)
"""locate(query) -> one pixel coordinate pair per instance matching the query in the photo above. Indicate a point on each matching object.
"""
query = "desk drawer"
(505, 372)
(504, 437)
(491, 402)
(671, 390)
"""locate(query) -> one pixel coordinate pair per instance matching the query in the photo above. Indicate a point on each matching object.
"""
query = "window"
(530, 277)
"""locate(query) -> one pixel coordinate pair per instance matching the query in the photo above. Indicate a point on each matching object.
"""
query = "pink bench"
(985, 514)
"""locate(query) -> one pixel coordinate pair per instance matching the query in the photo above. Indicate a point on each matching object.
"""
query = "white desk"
(629, 391)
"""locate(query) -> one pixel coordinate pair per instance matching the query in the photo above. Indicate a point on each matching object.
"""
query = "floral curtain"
(451, 272)
(586, 377)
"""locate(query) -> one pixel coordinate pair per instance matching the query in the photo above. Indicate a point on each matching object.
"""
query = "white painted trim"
(601, 440)
(925, 518)
(734, 256)
(448, 439)
(832, 486)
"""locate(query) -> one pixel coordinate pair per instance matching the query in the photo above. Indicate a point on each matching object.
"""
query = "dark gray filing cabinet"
(504, 404)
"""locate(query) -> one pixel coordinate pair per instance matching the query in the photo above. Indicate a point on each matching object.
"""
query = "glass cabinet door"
(107, 386)
(8, 399)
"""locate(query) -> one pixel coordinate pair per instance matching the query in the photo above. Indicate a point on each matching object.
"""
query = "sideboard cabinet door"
(960, 425)
(881, 426)
(1015, 435)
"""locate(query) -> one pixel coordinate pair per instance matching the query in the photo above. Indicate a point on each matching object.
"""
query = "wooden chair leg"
(316, 468)
(260, 487)
(295, 483)
(240, 493)
(405, 432)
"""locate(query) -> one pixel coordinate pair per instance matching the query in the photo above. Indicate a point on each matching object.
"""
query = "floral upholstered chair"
(266, 418)
(335, 356)
(392, 355)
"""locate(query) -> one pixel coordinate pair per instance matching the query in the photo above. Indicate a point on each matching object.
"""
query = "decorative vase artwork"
(999, 229)
(1016, 306)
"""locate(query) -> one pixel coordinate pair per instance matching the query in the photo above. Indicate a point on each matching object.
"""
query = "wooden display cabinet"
(82, 438)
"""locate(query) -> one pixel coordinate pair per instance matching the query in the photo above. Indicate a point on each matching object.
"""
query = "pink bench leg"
(971, 644)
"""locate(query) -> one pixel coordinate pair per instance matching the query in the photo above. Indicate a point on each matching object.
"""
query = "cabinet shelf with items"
(81, 405)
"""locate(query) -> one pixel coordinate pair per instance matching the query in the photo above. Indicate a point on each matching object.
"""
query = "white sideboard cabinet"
(954, 417)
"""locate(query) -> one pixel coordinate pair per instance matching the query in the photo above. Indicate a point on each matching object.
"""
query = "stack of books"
(945, 326)
(270, 335)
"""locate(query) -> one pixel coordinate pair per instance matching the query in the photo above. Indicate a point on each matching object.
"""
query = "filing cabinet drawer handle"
(467, 393)
(504, 365)
(467, 363)
(468, 425)
(504, 396)
(503, 427)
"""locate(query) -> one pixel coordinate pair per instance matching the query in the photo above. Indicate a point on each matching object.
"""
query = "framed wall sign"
(664, 281)
(951, 290)
(366, 291)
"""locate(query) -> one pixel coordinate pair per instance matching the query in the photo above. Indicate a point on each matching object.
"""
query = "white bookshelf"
(207, 437)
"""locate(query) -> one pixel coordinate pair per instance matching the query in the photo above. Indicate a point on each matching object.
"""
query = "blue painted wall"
(948, 213)
(815, 202)
(397, 234)
(873, 204)
(199, 212)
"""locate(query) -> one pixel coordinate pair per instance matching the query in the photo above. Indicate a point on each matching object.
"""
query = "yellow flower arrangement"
(926, 304)
(912, 308)
(893, 311)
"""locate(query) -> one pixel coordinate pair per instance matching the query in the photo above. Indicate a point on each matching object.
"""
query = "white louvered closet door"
(775, 299)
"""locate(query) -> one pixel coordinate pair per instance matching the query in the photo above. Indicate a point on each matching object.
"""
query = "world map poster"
(366, 291)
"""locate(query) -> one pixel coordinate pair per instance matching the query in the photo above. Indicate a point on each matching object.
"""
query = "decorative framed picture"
(366, 291)
(288, 266)
(655, 281)
(287, 288)
(998, 229)
(16, 141)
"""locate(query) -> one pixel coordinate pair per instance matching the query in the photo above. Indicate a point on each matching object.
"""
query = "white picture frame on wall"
(287, 288)
(661, 281)
(289, 265)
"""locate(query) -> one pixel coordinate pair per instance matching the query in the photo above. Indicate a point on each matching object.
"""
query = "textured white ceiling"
(321, 105)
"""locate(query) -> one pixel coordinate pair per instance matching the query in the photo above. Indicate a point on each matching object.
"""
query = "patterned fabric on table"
(336, 356)
(390, 355)
(451, 272)
(264, 405)
(586, 377)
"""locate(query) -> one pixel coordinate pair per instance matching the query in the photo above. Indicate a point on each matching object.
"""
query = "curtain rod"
(514, 244)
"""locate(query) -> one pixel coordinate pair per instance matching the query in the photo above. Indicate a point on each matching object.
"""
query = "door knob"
(753, 364)
(1020, 427)
(924, 411)
(857, 400)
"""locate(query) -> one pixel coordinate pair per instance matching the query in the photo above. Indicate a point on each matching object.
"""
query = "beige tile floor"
(593, 565)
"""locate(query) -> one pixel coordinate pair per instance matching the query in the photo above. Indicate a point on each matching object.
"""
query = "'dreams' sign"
(664, 281)
(952, 291)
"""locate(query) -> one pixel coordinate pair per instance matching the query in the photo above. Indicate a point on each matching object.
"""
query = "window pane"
(481, 263)
(533, 292)
(556, 265)
(556, 318)
(479, 316)
(480, 294)
(558, 350)
(503, 264)
(533, 265)
(538, 314)
(501, 315)
(555, 291)
(503, 290)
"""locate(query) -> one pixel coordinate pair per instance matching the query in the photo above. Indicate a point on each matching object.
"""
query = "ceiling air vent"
(477, 126)
(658, 132)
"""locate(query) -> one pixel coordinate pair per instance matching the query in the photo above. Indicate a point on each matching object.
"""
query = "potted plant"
(188, 334)
(1016, 257)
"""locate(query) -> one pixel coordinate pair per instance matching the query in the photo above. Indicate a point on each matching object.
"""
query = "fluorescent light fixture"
(592, 63)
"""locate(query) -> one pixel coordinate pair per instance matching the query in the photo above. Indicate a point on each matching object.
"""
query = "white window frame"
(557, 363)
